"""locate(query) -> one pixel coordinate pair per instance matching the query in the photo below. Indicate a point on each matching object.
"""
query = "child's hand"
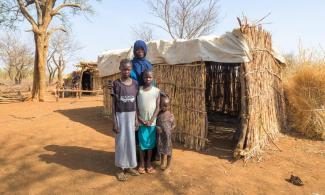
(136, 125)
(142, 121)
(116, 128)
(149, 123)
(159, 130)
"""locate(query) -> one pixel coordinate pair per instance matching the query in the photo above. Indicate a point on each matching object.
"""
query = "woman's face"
(139, 53)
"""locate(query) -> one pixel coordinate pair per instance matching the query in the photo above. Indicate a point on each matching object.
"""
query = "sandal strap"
(151, 170)
(121, 177)
(141, 170)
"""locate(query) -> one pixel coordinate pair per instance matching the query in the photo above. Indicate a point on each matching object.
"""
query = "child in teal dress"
(148, 100)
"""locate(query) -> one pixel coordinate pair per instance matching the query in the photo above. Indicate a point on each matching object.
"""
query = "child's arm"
(115, 125)
(113, 95)
(173, 122)
(155, 114)
(136, 120)
(139, 117)
(159, 129)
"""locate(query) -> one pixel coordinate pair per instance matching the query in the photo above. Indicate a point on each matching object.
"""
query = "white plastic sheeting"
(229, 48)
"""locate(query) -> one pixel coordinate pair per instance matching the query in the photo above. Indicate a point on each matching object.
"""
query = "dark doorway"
(86, 82)
(223, 106)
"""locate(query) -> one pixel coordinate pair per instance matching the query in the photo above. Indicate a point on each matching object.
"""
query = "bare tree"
(51, 68)
(17, 57)
(40, 14)
(185, 19)
(64, 48)
(143, 32)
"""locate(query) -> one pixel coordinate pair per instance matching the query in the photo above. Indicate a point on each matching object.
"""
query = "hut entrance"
(222, 105)
(86, 83)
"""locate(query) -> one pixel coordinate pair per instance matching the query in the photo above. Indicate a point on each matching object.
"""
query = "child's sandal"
(151, 170)
(132, 172)
(121, 176)
(141, 170)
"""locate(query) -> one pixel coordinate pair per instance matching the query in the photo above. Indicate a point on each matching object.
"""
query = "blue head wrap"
(140, 64)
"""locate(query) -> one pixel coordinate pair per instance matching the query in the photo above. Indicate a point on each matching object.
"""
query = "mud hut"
(89, 76)
(235, 78)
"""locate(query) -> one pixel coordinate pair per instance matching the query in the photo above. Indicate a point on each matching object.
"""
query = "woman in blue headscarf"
(139, 65)
(139, 61)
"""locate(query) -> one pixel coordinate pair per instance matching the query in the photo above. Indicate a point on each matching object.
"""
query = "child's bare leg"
(141, 169)
(162, 161)
(169, 160)
(149, 158)
(150, 169)
(142, 158)
(162, 165)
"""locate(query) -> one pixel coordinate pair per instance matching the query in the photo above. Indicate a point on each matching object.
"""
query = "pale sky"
(290, 21)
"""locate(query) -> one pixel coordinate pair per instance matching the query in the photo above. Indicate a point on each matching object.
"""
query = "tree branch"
(52, 30)
(30, 19)
(57, 9)
(39, 12)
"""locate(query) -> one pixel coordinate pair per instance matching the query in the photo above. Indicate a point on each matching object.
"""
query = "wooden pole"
(80, 82)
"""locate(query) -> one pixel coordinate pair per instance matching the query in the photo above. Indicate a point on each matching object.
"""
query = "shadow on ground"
(92, 117)
(79, 158)
(220, 142)
(220, 135)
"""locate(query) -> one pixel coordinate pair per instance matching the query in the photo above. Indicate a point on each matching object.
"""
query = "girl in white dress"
(148, 101)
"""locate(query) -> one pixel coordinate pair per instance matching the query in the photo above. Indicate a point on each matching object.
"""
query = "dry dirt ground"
(67, 147)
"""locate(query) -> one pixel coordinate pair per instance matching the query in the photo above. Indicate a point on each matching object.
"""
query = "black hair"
(124, 62)
(164, 95)
(147, 71)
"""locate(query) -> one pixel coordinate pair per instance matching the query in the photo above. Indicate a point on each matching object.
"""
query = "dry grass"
(305, 90)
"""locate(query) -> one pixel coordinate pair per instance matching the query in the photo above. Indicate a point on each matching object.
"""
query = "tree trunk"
(35, 87)
(16, 81)
(51, 77)
(20, 79)
(60, 78)
(39, 81)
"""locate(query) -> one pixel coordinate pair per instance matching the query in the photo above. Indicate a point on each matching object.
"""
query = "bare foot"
(167, 171)
(151, 170)
(141, 170)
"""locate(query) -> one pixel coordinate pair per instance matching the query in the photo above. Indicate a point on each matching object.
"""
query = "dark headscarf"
(140, 64)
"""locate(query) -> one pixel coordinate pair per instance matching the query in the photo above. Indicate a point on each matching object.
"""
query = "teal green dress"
(147, 101)
(147, 137)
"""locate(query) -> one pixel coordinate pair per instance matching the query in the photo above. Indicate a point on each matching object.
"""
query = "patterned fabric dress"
(164, 142)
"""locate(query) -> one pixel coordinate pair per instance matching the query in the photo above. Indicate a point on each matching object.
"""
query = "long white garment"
(147, 103)
(125, 148)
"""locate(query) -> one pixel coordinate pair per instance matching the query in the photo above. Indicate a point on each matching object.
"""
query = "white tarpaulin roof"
(229, 48)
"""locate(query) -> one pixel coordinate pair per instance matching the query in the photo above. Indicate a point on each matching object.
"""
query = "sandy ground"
(68, 147)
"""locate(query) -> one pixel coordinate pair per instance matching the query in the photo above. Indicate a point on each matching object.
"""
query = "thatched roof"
(229, 48)
(87, 64)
